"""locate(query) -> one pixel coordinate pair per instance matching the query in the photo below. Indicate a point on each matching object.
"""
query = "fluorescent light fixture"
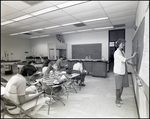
(36, 30)
(22, 17)
(15, 34)
(70, 23)
(70, 3)
(44, 11)
(85, 30)
(44, 35)
(52, 27)
(25, 32)
(95, 19)
(35, 37)
(68, 32)
(103, 28)
(7, 22)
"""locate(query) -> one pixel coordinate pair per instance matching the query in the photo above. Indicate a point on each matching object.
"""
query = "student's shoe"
(120, 100)
(118, 103)
(81, 84)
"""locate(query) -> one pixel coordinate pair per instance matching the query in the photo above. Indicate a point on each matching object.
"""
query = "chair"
(23, 113)
(49, 92)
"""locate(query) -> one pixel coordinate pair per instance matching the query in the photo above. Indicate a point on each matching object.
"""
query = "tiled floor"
(95, 100)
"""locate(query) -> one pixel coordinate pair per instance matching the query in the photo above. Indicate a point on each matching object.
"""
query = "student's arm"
(25, 98)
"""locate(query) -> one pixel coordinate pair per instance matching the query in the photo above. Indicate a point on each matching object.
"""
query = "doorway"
(114, 35)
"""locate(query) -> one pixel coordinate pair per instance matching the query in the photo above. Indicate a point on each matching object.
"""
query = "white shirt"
(119, 62)
(78, 66)
(44, 69)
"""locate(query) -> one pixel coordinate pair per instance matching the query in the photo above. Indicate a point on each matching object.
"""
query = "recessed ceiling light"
(103, 28)
(44, 35)
(70, 3)
(44, 11)
(70, 23)
(7, 22)
(85, 30)
(35, 37)
(22, 17)
(95, 19)
(52, 27)
(68, 32)
(36, 30)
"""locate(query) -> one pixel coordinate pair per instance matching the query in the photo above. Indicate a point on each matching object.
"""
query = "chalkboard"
(137, 46)
(93, 50)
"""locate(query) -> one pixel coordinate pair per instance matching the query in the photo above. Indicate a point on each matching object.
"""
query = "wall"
(87, 38)
(41, 45)
(15, 46)
(141, 92)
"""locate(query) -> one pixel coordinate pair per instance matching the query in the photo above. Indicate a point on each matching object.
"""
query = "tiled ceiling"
(118, 12)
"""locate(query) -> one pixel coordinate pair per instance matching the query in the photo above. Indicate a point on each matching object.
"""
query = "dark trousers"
(81, 77)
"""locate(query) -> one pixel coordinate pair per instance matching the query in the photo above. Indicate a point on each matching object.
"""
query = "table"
(7, 65)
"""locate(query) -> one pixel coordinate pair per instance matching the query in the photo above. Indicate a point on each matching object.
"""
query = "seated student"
(16, 90)
(49, 78)
(78, 68)
(45, 65)
(60, 65)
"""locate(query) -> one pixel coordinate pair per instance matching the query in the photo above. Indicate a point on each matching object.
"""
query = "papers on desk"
(74, 75)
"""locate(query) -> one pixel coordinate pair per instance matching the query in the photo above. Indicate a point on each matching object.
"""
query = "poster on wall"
(144, 70)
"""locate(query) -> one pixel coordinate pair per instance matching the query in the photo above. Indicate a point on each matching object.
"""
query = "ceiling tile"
(57, 2)
(42, 24)
(15, 15)
(90, 14)
(123, 18)
(6, 10)
(111, 3)
(63, 20)
(88, 6)
(15, 24)
(122, 7)
(122, 13)
(31, 20)
(19, 5)
(40, 6)
(53, 15)
(122, 22)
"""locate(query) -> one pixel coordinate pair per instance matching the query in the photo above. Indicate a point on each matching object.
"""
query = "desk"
(95, 67)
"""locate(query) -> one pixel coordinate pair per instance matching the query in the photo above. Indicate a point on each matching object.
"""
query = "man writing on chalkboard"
(120, 70)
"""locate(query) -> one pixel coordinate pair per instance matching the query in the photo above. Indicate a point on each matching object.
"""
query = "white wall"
(41, 45)
(87, 38)
(16, 46)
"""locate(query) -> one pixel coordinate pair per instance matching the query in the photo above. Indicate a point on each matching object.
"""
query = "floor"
(95, 100)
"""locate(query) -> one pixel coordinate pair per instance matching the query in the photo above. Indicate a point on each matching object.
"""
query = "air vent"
(119, 25)
(79, 25)
(28, 33)
(32, 2)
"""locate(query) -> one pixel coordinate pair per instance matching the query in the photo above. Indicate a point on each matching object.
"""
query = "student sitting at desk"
(50, 78)
(16, 90)
(60, 65)
(78, 68)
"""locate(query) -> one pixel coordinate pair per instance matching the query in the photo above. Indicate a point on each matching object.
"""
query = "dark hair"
(46, 62)
(28, 70)
(60, 57)
(119, 41)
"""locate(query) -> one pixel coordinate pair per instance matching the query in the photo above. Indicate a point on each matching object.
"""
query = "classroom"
(61, 34)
